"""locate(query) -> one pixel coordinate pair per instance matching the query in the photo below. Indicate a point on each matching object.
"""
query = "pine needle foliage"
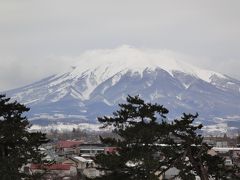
(18, 146)
(149, 145)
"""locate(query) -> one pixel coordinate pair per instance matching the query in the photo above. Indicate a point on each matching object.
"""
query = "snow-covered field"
(67, 127)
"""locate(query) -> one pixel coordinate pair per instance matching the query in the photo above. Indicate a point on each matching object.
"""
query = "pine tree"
(194, 158)
(18, 146)
(149, 145)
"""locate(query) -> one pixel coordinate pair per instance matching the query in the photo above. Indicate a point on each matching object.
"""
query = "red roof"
(51, 167)
(68, 144)
(110, 149)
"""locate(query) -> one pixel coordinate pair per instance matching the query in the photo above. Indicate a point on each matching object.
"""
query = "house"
(231, 155)
(90, 150)
(67, 148)
(79, 162)
(54, 171)
(85, 166)
(110, 150)
(221, 144)
(171, 173)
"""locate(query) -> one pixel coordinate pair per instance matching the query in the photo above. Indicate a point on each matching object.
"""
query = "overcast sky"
(41, 37)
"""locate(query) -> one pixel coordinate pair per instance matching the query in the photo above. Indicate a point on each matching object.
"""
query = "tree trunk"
(204, 173)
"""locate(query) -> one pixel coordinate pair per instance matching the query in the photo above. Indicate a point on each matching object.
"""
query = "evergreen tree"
(18, 146)
(193, 157)
(148, 145)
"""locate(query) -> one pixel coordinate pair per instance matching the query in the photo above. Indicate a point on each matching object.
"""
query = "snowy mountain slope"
(103, 78)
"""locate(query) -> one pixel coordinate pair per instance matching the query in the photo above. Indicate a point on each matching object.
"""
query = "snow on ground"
(67, 127)
(56, 116)
(218, 129)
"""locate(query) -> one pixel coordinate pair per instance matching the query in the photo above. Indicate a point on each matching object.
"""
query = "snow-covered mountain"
(101, 79)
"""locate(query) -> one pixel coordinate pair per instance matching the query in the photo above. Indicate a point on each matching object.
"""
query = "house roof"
(57, 166)
(111, 149)
(226, 149)
(68, 144)
(81, 159)
(92, 145)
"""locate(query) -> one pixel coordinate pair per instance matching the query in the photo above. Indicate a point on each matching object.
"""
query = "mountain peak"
(111, 61)
(103, 78)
